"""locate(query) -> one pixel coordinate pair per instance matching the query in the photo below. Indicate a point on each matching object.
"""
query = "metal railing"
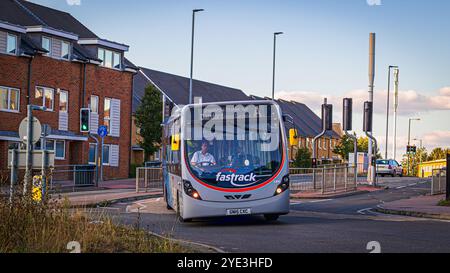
(325, 179)
(148, 178)
(438, 182)
(73, 176)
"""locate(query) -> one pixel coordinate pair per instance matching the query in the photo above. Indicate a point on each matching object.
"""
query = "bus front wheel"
(271, 217)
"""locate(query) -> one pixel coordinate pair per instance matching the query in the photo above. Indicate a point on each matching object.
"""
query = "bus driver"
(203, 158)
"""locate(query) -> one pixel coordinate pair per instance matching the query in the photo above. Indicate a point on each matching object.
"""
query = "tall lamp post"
(409, 139)
(192, 52)
(274, 54)
(387, 109)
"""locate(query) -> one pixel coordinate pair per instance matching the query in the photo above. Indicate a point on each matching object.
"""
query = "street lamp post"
(387, 109)
(274, 54)
(192, 53)
(409, 139)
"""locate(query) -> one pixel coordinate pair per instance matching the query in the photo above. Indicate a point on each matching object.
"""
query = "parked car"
(389, 167)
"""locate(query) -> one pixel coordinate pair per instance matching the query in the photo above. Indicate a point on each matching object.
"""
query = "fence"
(148, 178)
(73, 176)
(438, 182)
(325, 179)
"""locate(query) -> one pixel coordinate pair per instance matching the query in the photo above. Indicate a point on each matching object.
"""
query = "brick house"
(48, 58)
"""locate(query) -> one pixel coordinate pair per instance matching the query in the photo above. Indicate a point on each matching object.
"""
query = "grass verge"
(28, 227)
(444, 203)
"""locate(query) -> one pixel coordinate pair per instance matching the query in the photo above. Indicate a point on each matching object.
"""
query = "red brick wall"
(68, 76)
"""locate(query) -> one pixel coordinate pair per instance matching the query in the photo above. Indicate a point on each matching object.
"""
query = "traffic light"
(327, 117)
(85, 117)
(347, 114)
(367, 117)
(411, 149)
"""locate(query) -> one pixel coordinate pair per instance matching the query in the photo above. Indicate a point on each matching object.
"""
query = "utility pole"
(394, 149)
(273, 68)
(371, 175)
(387, 110)
(192, 53)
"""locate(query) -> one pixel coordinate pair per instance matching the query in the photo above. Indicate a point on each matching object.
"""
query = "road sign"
(411, 149)
(102, 131)
(37, 130)
(37, 159)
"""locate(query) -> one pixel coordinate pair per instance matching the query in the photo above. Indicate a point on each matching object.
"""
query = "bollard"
(334, 179)
(345, 178)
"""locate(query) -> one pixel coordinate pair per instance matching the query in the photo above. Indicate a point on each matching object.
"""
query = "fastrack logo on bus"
(232, 178)
(237, 122)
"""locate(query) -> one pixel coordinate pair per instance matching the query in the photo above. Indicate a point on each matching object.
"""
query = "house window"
(65, 50)
(9, 99)
(11, 44)
(107, 113)
(116, 60)
(46, 44)
(63, 98)
(92, 153)
(109, 58)
(94, 104)
(60, 149)
(106, 151)
(47, 96)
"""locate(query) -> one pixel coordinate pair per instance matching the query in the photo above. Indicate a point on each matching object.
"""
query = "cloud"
(73, 2)
(410, 101)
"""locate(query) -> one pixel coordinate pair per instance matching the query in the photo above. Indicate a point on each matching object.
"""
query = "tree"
(344, 147)
(437, 153)
(148, 120)
(414, 160)
(302, 158)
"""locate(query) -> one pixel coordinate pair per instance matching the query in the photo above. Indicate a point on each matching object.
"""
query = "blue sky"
(324, 51)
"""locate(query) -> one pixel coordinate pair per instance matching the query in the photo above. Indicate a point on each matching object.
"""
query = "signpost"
(447, 195)
(102, 132)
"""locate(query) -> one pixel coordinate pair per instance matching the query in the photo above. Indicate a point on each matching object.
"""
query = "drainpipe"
(30, 71)
(83, 96)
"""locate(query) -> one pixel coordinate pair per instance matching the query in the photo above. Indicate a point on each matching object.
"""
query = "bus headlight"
(283, 186)
(189, 190)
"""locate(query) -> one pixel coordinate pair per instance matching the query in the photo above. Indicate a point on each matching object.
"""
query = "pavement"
(421, 206)
(335, 194)
(104, 197)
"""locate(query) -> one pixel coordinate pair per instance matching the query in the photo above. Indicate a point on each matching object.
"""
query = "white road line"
(321, 200)
(412, 184)
(401, 187)
(363, 211)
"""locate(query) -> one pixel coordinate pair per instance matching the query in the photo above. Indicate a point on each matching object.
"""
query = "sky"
(323, 53)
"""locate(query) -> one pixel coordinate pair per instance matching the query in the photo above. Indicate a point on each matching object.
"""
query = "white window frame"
(43, 97)
(68, 50)
(103, 58)
(64, 149)
(104, 116)
(8, 90)
(67, 102)
(50, 45)
(8, 35)
(90, 103)
(109, 155)
(95, 155)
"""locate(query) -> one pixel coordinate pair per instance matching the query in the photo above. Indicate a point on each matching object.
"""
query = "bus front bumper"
(193, 208)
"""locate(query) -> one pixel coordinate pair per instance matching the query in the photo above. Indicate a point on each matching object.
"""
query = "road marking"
(412, 184)
(401, 187)
(363, 211)
(320, 200)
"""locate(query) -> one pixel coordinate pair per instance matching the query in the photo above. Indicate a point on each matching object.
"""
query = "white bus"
(226, 159)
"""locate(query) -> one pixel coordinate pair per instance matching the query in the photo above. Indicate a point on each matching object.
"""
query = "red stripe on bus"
(238, 190)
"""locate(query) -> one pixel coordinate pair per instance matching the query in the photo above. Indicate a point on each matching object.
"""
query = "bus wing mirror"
(175, 142)
(293, 137)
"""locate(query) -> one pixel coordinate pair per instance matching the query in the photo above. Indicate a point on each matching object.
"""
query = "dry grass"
(27, 227)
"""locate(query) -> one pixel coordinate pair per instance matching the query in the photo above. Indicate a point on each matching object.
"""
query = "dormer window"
(110, 58)
(11, 44)
(65, 50)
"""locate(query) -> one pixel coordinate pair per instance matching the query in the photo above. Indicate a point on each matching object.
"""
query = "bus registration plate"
(238, 211)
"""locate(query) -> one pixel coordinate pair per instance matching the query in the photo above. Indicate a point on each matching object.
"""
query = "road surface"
(335, 225)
